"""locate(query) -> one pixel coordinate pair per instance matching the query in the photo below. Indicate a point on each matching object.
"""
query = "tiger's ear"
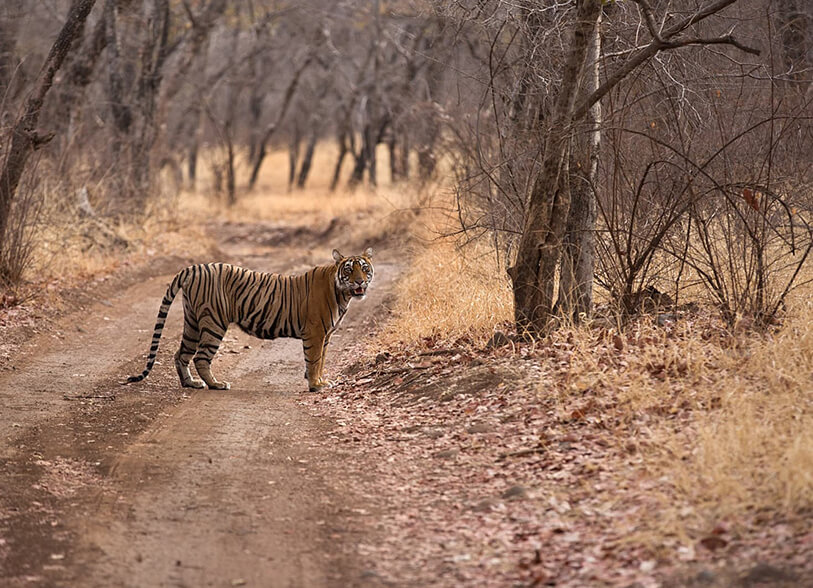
(337, 257)
(368, 253)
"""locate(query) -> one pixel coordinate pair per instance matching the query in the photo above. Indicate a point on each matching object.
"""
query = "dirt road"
(151, 485)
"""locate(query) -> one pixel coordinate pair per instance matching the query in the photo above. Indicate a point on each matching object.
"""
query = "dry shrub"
(450, 293)
(756, 451)
(19, 242)
(727, 416)
(721, 420)
(71, 244)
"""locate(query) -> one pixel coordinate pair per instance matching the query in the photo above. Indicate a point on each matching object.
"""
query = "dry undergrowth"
(730, 414)
(449, 293)
(722, 419)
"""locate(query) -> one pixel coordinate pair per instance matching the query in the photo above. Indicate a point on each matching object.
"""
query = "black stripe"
(215, 334)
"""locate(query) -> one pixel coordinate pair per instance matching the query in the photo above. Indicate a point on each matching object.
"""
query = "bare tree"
(25, 138)
(540, 246)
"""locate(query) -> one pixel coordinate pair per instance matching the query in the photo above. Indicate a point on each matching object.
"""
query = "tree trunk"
(370, 144)
(307, 159)
(578, 253)
(153, 57)
(539, 250)
(360, 159)
(796, 30)
(25, 138)
(122, 114)
(337, 169)
(79, 74)
(540, 245)
(195, 114)
(293, 155)
(231, 183)
(192, 162)
(403, 155)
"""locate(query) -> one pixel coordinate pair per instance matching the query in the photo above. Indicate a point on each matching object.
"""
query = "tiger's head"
(354, 273)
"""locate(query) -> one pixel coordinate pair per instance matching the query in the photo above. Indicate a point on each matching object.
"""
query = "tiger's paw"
(193, 383)
(320, 383)
(220, 386)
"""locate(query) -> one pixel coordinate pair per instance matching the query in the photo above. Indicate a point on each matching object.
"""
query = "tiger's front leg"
(314, 361)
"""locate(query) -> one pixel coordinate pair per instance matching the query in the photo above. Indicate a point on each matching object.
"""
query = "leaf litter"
(507, 467)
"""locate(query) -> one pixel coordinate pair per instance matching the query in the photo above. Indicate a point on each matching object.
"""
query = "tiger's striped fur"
(307, 307)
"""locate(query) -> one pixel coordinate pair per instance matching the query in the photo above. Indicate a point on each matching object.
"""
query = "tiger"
(266, 305)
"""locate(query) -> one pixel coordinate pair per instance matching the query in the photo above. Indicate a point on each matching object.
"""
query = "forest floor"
(438, 467)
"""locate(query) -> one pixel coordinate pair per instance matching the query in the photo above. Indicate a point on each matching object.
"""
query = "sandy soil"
(150, 485)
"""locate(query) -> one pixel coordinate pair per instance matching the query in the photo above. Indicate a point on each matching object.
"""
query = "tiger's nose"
(360, 282)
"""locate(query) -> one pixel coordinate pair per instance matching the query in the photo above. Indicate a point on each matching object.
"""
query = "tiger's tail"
(169, 296)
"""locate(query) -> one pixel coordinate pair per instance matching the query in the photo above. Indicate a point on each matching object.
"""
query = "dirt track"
(146, 485)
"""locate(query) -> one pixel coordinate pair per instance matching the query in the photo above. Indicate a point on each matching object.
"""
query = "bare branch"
(725, 40)
(661, 42)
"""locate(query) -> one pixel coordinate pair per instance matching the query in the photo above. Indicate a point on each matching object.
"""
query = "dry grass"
(272, 201)
(724, 417)
(449, 293)
(756, 451)
(728, 417)
(82, 248)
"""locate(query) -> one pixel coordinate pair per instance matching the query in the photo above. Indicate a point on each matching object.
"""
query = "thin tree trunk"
(307, 159)
(25, 138)
(195, 113)
(360, 159)
(122, 114)
(539, 250)
(192, 162)
(231, 183)
(153, 57)
(337, 169)
(370, 144)
(403, 155)
(391, 146)
(578, 253)
(293, 155)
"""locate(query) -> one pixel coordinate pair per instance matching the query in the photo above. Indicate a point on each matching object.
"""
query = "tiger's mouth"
(359, 291)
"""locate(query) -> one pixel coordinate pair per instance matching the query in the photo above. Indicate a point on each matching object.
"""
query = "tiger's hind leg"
(189, 344)
(210, 337)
